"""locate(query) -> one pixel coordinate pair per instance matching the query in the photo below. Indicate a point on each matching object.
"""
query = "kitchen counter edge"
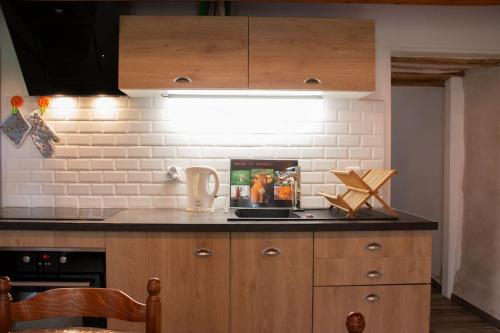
(176, 220)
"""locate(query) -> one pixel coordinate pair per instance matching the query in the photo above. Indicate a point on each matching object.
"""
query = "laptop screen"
(262, 183)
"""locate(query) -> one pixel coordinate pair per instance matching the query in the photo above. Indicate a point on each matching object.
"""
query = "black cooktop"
(59, 213)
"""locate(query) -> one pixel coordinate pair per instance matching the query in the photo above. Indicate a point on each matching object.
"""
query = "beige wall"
(418, 155)
(478, 279)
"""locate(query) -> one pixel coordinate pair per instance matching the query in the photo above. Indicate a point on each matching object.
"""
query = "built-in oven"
(32, 271)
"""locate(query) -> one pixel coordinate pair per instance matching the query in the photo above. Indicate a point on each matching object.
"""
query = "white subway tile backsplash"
(78, 139)
(90, 126)
(360, 153)
(164, 152)
(372, 141)
(149, 164)
(79, 189)
(114, 151)
(324, 165)
(90, 176)
(337, 128)
(114, 127)
(127, 189)
(43, 201)
(67, 201)
(312, 152)
(53, 189)
(139, 177)
(120, 152)
(18, 200)
(284, 153)
(91, 202)
(103, 164)
(115, 202)
(349, 116)
(29, 188)
(336, 152)
(360, 128)
(79, 164)
(325, 140)
(139, 151)
(66, 177)
(55, 164)
(103, 139)
(127, 139)
(152, 140)
(348, 140)
(140, 202)
(115, 176)
(140, 126)
(153, 189)
(90, 151)
(127, 164)
(102, 189)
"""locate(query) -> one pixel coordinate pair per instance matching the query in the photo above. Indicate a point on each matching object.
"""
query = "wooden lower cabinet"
(194, 272)
(394, 309)
(271, 282)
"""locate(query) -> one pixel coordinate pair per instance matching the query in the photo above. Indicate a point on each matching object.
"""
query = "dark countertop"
(180, 220)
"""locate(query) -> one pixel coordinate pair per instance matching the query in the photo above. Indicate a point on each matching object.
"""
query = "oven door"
(25, 287)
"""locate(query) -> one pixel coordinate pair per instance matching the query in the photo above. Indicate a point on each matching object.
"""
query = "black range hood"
(68, 48)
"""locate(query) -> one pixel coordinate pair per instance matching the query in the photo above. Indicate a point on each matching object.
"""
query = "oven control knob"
(63, 259)
(26, 259)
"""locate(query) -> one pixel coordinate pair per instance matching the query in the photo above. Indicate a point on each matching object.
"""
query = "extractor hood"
(66, 47)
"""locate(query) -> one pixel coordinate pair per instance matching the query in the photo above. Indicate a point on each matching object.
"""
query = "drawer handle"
(374, 247)
(312, 81)
(182, 79)
(271, 251)
(203, 252)
(374, 274)
(372, 298)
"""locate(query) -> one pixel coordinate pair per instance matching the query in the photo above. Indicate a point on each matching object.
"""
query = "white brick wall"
(114, 151)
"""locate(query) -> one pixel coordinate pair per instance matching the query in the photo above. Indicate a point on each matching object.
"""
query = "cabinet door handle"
(312, 81)
(203, 252)
(374, 246)
(372, 298)
(271, 251)
(373, 274)
(183, 79)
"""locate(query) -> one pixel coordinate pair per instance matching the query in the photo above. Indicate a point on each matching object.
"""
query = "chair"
(84, 302)
(360, 190)
(355, 322)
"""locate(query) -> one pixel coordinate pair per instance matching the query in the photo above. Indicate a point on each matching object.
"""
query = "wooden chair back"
(355, 322)
(84, 302)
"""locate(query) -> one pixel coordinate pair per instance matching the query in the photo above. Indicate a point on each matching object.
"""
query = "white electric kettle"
(200, 198)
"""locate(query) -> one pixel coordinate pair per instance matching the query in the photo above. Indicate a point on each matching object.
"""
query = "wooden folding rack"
(360, 190)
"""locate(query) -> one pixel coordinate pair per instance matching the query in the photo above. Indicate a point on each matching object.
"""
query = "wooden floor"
(447, 317)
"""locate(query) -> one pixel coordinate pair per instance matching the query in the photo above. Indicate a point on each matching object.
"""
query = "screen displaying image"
(261, 183)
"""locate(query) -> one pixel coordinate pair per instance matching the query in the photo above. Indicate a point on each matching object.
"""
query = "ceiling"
(433, 71)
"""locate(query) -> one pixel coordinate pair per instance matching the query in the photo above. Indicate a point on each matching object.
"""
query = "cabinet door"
(156, 52)
(311, 53)
(271, 282)
(394, 309)
(193, 269)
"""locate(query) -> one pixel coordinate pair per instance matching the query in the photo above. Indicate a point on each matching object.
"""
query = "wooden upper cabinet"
(183, 52)
(311, 53)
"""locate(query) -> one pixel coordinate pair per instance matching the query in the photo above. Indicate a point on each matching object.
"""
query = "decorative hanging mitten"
(42, 134)
(15, 126)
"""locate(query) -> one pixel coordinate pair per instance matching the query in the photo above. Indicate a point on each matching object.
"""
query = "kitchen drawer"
(387, 309)
(368, 271)
(372, 244)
